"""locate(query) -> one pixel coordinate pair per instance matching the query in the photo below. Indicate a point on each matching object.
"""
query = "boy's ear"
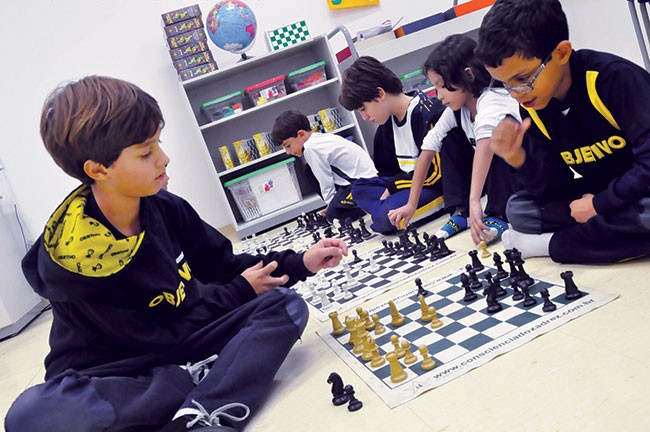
(564, 50)
(381, 93)
(470, 73)
(95, 170)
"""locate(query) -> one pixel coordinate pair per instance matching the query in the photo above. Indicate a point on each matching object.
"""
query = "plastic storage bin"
(224, 106)
(265, 190)
(415, 80)
(265, 91)
(307, 76)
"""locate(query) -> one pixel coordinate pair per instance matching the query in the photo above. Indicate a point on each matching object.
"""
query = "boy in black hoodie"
(585, 112)
(157, 325)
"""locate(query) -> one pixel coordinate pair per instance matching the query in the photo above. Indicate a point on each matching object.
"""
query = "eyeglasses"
(519, 88)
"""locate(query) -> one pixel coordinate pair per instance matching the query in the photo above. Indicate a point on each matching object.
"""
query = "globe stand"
(244, 57)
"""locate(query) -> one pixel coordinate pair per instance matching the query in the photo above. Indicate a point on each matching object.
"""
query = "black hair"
(451, 58)
(362, 80)
(287, 125)
(530, 28)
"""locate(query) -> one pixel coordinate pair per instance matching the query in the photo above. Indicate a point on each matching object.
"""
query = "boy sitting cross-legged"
(157, 325)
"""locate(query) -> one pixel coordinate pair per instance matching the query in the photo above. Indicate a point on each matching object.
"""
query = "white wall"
(46, 42)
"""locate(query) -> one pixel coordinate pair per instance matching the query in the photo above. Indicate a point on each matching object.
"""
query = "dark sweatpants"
(456, 159)
(602, 239)
(252, 342)
(368, 191)
(343, 206)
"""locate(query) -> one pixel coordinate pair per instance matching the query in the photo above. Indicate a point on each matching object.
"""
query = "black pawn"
(469, 294)
(286, 232)
(338, 391)
(571, 291)
(498, 263)
(528, 299)
(328, 232)
(517, 294)
(477, 265)
(354, 404)
(549, 306)
(356, 257)
(421, 290)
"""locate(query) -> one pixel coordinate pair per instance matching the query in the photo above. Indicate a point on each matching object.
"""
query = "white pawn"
(346, 292)
(324, 301)
(373, 265)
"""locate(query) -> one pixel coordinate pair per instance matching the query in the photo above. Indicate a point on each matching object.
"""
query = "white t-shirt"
(335, 160)
(491, 108)
(406, 149)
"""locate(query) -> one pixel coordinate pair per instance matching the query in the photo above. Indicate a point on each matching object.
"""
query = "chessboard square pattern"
(469, 336)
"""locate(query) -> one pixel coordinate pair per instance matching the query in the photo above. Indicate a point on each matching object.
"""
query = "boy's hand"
(507, 138)
(404, 213)
(259, 277)
(476, 222)
(583, 209)
(324, 254)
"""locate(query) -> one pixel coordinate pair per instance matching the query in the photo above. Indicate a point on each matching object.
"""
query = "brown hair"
(95, 118)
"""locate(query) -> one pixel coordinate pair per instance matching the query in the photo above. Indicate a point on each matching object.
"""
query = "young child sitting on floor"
(404, 119)
(587, 113)
(157, 325)
(468, 166)
(335, 162)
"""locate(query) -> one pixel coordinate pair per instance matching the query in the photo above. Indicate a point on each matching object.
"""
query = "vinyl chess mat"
(350, 284)
(468, 338)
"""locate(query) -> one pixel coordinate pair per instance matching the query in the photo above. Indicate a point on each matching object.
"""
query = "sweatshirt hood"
(76, 246)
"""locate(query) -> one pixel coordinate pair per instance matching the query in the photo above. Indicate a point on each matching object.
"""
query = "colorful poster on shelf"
(346, 4)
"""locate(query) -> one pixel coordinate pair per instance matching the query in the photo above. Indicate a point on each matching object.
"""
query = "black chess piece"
(571, 291)
(509, 260)
(498, 263)
(469, 294)
(517, 294)
(421, 291)
(286, 232)
(477, 265)
(492, 302)
(528, 299)
(549, 306)
(354, 404)
(474, 283)
(338, 392)
(364, 231)
(355, 254)
(328, 232)
(443, 250)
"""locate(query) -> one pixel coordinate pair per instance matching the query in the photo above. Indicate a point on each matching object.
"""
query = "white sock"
(530, 245)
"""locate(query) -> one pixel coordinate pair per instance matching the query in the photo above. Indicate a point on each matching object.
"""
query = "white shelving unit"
(256, 119)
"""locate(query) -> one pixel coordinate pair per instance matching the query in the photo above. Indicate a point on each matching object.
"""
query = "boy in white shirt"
(335, 162)
(469, 167)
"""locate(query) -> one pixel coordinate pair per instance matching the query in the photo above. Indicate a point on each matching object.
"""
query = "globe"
(232, 26)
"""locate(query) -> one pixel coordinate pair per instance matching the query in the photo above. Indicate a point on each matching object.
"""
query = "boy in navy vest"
(582, 152)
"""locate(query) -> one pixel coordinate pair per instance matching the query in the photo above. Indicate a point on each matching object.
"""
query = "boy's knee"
(296, 308)
(382, 225)
(27, 412)
(523, 214)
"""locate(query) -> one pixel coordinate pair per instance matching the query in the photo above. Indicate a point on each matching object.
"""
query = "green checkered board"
(469, 337)
(288, 35)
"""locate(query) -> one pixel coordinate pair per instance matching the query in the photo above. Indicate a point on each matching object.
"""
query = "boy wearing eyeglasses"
(582, 152)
